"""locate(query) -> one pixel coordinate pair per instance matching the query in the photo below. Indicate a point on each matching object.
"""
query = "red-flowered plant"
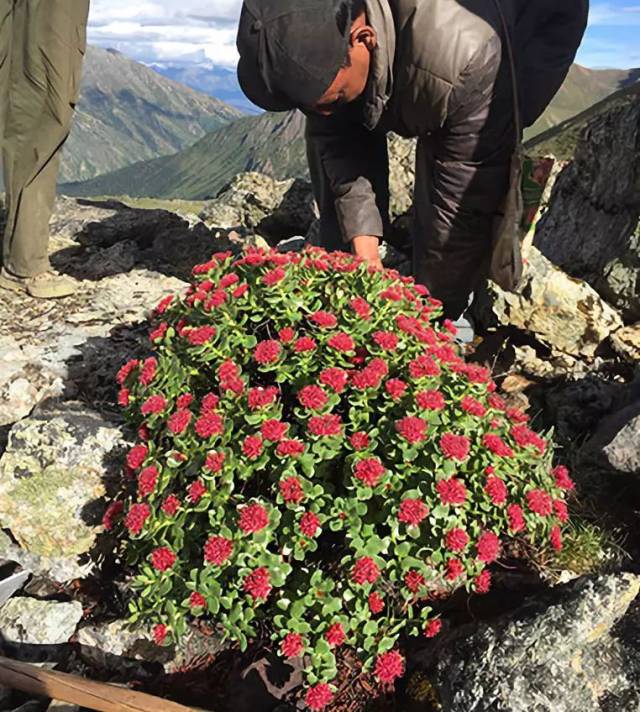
(315, 453)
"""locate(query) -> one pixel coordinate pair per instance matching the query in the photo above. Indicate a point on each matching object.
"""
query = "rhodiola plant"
(314, 452)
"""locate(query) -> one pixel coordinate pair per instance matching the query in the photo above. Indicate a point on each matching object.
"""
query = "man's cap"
(290, 51)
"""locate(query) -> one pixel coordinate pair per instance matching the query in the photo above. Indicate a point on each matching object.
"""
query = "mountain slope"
(269, 143)
(128, 113)
(274, 144)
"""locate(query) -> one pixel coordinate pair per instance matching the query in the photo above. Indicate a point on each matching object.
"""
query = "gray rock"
(592, 228)
(562, 313)
(28, 620)
(616, 443)
(559, 657)
(51, 476)
(275, 209)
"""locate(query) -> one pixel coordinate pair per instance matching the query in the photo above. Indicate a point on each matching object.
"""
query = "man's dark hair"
(346, 13)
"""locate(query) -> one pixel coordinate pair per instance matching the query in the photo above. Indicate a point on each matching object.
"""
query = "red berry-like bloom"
(496, 402)
(253, 518)
(261, 397)
(291, 490)
(267, 352)
(364, 571)
(197, 600)
(229, 280)
(473, 406)
(455, 447)
(560, 508)
(477, 374)
(163, 559)
(209, 403)
(184, 401)
(153, 405)
(258, 584)
(292, 645)
(309, 524)
(335, 636)
(341, 342)
(369, 471)
(556, 538)
(160, 632)
(179, 421)
(452, 491)
(324, 320)
(561, 476)
(455, 569)
(389, 666)
(361, 307)
(424, 367)
(252, 447)
(540, 502)
(376, 603)
(240, 291)
(274, 430)
(286, 335)
(218, 550)
(113, 511)
(386, 340)
(147, 480)
(496, 489)
(126, 370)
(396, 388)
(312, 398)
(433, 628)
(123, 397)
(482, 583)
(488, 547)
(524, 436)
(457, 539)
(274, 277)
(412, 512)
(359, 441)
(196, 491)
(163, 305)
(412, 429)
(516, 518)
(496, 445)
(430, 400)
(171, 505)
(137, 455)
(215, 461)
(334, 378)
(148, 371)
(325, 425)
(290, 448)
(318, 697)
(201, 335)
(414, 581)
(304, 344)
(209, 425)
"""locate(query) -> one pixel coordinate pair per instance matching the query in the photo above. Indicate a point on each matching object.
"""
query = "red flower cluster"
(412, 512)
(196, 491)
(396, 388)
(113, 511)
(455, 447)
(197, 600)
(253, 518)
(218, 550)
(369, 471)
(414, 581)
(258, 584)
(376, 603)
(290, 448)
(325, 425)
(334, 378)
(163, 559)
(292, 646)
(171, 505)
(309, 524)
(365, 571)
(215, 461)
(267, 352)
(457, 539)
(496, 489)
(424, 367)
(361, 307)
(540, 502)
(209, 425)
(488, 547)
(335, 636)
(153, 405)
(516, 518)
(312, 398)
(386, 340)
(371, 376)
(201, 335)
(473, 406)
(359, 441)
(136, 517)
(432, 628)
(137, 455)
(252, 446)
(389, 666)
(412, 429)
(147, 480)
(179, 421)
(451, 491)
(318, 697)
(291, 490)
(341, 342)
(496, 445)
(274, 430)
(305, 344)
(229, 378)
(430, 400)
(561, 476)
(262, 397)
(524, 436)
(324, 319)
(148, 371)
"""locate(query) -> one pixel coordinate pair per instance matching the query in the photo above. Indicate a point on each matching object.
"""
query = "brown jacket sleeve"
(354, 163)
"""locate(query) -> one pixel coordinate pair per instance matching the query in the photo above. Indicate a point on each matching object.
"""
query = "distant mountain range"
(128, 112)
(274, 144)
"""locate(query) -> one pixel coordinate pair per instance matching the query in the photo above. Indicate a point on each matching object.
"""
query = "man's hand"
(367, 247)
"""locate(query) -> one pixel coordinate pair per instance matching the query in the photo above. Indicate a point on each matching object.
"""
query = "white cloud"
(610, 15)
(157, 31)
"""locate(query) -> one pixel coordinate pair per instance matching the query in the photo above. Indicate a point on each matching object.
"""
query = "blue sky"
(194, 30)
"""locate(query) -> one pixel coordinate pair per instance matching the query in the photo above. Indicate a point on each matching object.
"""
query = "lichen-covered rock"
(51, 476)
(563, 313)
(275, 209)
(559, 657)
(626, 342)
(28, 620)
(592, 228)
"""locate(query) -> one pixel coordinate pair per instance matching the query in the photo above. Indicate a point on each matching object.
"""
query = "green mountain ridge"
(127, 113)
(274, 144)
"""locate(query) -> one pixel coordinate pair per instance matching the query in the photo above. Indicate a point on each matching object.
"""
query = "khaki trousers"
(42, 45)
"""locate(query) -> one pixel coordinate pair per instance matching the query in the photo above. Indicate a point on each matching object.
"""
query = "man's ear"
(365, 35)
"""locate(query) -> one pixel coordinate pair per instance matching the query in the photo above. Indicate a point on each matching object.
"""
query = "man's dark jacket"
(441, 73)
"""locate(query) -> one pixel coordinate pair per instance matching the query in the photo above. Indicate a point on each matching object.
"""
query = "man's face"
(351, 80)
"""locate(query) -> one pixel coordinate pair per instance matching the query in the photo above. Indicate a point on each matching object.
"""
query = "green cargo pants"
(42, 45)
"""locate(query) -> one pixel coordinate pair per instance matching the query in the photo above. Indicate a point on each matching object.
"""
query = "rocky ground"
(562, 636)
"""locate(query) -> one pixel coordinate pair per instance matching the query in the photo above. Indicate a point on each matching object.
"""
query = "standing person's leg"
(49, 45)
(6, 26)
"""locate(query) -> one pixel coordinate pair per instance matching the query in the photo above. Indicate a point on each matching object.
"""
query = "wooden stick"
(97, 696)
